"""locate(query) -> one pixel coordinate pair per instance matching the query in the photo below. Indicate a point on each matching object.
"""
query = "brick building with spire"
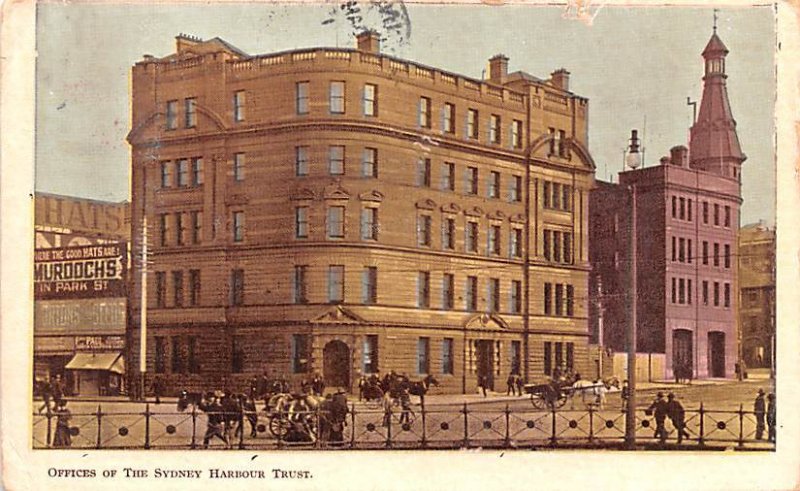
(687, 222)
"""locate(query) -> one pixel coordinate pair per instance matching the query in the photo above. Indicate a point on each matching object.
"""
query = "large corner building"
(346, 212)
(687, 223)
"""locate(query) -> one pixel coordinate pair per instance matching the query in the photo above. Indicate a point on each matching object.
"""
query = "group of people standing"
(765, 412)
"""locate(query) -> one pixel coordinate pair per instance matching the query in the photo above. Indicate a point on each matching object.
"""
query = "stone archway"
(336, 364)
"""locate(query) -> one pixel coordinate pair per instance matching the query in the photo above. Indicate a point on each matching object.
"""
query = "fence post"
(591, 423)
(702, 440)
(353, 425)
(279, 417)
(49, 426)
(147, 426)
(389, 429)
(241, 425)
(317, 442)
(553, 421)
(424, 430)
(466, 426)
(193, 445)
(508, 427)
(741, 425)
(99, 426)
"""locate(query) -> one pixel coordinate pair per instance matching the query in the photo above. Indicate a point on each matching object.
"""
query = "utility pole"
(143, 314)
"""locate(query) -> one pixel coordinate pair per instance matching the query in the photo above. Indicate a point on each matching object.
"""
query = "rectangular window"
(515, 299)
(705, 292)
(423, 173)
(557, 247)
(177, 288)
(337, 98)
(301, 222)
(301, 161)
(238, 226)
(424, 230)
(494, 129)
(336, 160)
(682, 208)
(238, 106)
(166, 177)
(705, 252)
(567, 247)
(161, 354)
(177, 355)
(172, 115)
(197, 171)
(547, 236)
(562, 144)
(370, 100)
(674, 207)
(301, 353)
(449, 118)
(716, 214)
(546, 194)
(423, 355)
(336, 222)
(515, 242)
(472, 180)
(674, 248)
(163, 228)
(238, 167)
(554, 142)
(674, 290)
(471, 242)
(369, 285)
(559, 299)
(190, 112)
(237, 354)
(727, 297)
(548, 358)
(449, 233)
(566, 198)
(515, 189)
(300, 285)
(689, 210)
(559, 355)
(425, 112)
(194, 287)
(237, 287)
(448, 176)
(689, 251)
(447, 356)
(494, 184)
(516, 134)
(182, 171)
(727, 249)
(494, 295)
(570, 356)
(161, 289)
(727, 216)
(556, 200)
(194, 367)
(681, 291)
(369, 224)
(681, 249)
(548, 298)
(335, 283)
(689, 292)
(423, 289)
(516, 357)
(370, 361)
(716, 294)
(716, 254)
(180, 229)
(570, 300)
(472, 124)
(301, 97)
(448, 291)
(705, 212)
(369, 162)
(493, 246)
(471, 294)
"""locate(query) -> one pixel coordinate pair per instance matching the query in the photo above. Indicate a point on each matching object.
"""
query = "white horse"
(591, 393)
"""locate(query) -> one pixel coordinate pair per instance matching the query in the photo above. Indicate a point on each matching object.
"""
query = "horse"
(594, 392)
(415, 388)
(188, 398)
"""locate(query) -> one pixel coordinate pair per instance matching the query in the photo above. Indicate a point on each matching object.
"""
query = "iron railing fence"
(465, 426)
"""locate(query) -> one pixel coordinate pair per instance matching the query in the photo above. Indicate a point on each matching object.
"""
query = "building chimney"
(560, 79)
(679, 156)
(664, 160)
(185, 41)
(498, 68)
(369, 41)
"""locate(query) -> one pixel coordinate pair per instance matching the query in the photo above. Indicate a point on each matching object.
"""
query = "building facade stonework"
(757, 290)
(346, 212)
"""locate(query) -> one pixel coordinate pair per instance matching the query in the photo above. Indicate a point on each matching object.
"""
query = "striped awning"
(111, 362)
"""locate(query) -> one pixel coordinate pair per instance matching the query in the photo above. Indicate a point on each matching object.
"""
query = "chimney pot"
(679, 155)
(560, 79)
(369, 41)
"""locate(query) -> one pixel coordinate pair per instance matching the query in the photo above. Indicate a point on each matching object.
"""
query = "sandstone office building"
(346, 212)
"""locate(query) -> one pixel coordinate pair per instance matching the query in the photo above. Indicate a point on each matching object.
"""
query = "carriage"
(553, 395)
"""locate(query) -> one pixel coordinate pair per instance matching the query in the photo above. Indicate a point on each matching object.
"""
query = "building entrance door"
(716, 354)
(682, 354)
(336, 364)
(484, 352)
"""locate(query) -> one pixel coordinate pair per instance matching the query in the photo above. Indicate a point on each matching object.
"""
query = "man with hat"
(659, 410)
(677, 415)
(760, 410)
(771, 413)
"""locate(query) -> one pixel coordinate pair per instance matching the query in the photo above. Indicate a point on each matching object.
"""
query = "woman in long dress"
(62, 437)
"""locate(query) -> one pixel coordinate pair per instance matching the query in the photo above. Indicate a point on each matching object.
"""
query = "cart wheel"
(278, 426)
(537, 401)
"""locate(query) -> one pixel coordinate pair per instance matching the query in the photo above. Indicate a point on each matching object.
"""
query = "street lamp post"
(632, 161)
(143, 314)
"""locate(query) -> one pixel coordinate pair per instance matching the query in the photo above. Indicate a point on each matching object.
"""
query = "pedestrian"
(387, 408)
(511, 385)
(57, 387)
(317, 384)
(405, 404)
(47, 395)
(625, 395)
(230, 410)
(771, 413)
(520, 385)
(158, 387)
(249, 413)
(62, 438)
(659, 410)
(482, 384)
(215, 419)
(760, 409)
(677, 415)
(362, 385)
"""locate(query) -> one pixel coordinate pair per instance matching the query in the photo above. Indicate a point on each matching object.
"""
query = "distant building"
(80, 293)
(757, 287)
(687, 223)
(346, 212)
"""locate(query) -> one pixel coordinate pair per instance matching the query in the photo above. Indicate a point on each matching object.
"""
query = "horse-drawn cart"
(547, 395)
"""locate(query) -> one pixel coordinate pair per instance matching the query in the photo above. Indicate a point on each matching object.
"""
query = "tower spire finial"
(715, 20)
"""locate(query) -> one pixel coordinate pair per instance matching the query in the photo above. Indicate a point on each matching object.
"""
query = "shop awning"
(111, 362)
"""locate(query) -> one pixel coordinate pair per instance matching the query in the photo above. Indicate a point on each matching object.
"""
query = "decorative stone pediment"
(486, 321)
(374, 196)
(518, 218)
(336, 191)
(301, 195)
(338, 315)
(426, 204)
(497, 215)
(451, 208)
(475, 211)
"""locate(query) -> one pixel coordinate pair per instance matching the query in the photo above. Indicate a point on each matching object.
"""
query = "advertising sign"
(76, 317)
(80, 272)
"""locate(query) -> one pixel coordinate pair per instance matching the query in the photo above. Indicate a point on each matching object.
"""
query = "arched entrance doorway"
(336, 364)
(682, 352)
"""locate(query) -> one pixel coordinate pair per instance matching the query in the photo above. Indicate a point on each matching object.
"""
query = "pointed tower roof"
(714, 144)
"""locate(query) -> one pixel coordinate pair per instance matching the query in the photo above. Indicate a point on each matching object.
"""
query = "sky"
(637, 66)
